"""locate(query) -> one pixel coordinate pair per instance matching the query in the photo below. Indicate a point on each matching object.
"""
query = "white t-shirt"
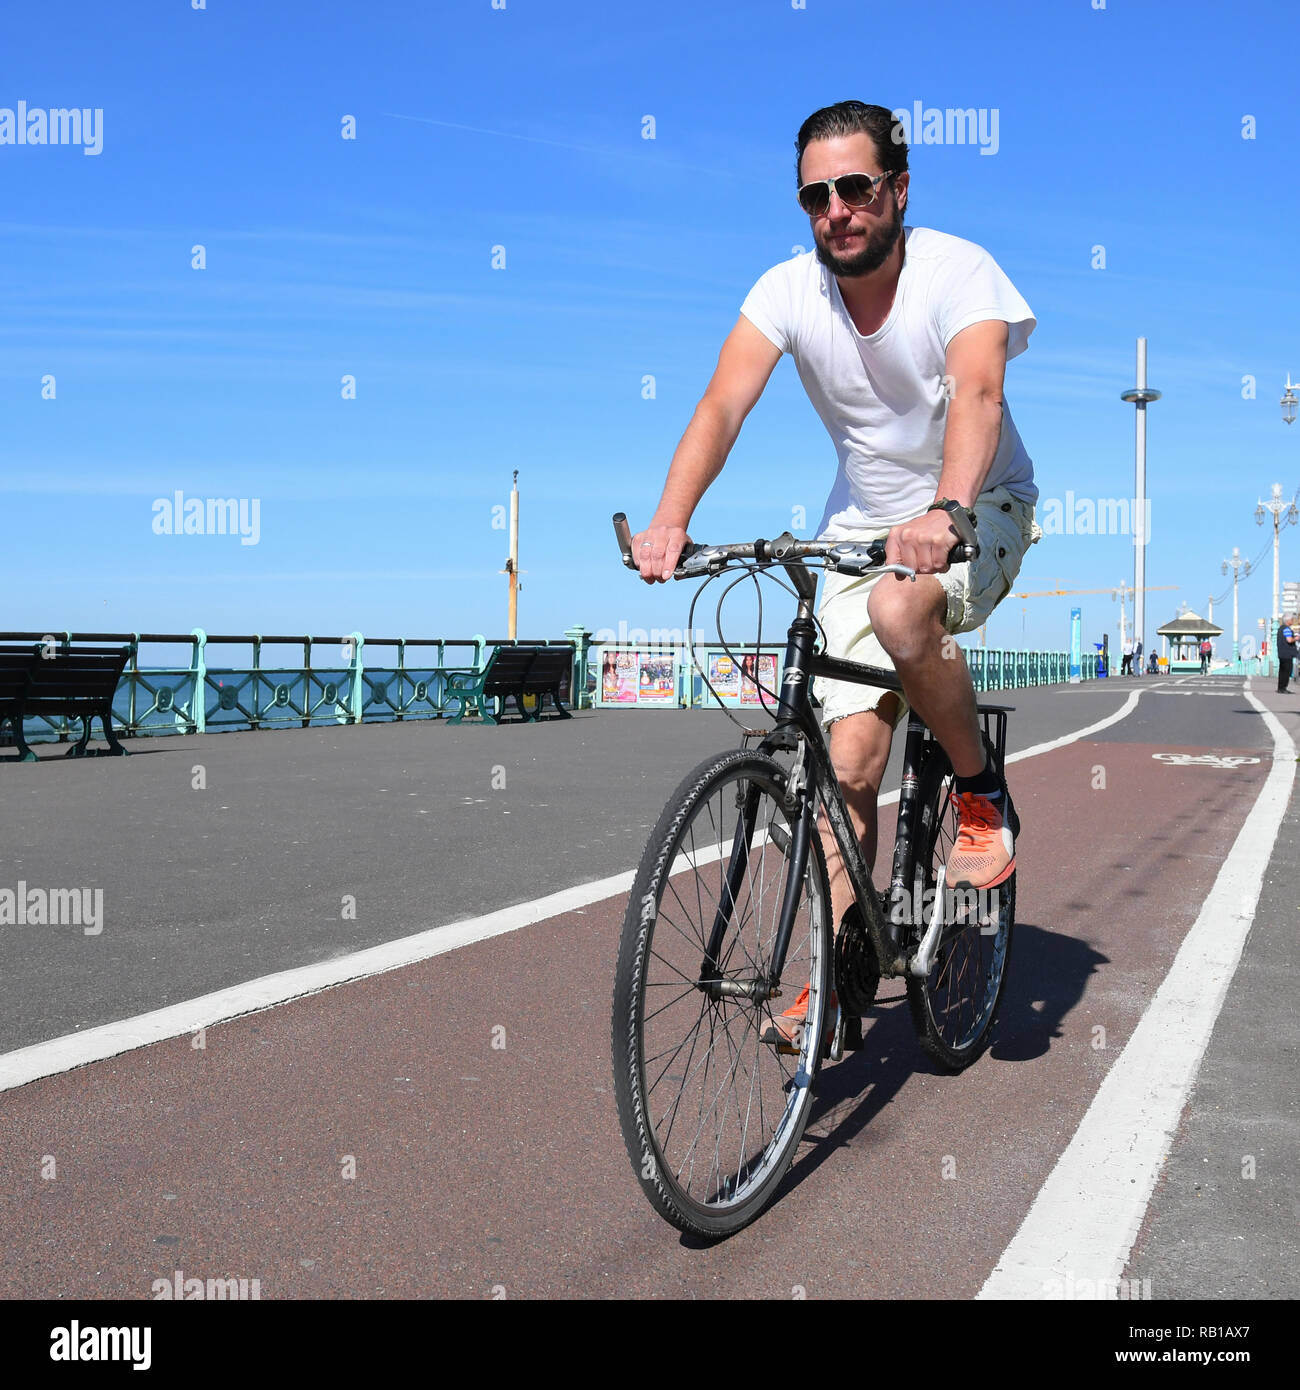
(881, 397)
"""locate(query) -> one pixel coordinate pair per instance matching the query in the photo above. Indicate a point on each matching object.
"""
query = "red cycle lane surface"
(448, 1129)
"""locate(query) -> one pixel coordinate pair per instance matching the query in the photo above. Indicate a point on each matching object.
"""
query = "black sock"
(982, 784)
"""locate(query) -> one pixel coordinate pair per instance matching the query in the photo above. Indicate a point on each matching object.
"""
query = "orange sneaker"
(785, 1031)
(985, 852)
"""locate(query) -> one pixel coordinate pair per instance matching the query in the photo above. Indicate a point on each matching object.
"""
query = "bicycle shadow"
(1049, 974)
(1048, 977)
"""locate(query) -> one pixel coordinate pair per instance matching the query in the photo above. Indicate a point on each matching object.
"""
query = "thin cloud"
(603, 152)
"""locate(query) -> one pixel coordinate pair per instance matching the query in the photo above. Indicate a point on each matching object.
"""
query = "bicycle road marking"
(1087, 1214)
(55, 1055)
(1203, 759)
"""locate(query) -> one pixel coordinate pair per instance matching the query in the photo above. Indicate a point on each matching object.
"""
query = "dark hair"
(888, 133)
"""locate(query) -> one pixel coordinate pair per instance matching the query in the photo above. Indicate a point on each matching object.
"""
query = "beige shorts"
(1005, 528)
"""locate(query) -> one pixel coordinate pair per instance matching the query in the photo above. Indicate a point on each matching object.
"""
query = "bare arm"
(744, 366)
(976, 363)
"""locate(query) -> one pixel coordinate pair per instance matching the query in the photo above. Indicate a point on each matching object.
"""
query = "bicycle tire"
(954, 1009)
(704, 814)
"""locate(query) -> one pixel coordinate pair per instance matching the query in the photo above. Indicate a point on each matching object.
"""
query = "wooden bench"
(512, 672)
(76, 682)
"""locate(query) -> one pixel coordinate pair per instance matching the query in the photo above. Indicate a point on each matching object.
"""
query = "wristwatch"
(962, 518)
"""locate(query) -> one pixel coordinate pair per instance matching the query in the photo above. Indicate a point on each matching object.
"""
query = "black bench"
(513, 672)
(77, 682)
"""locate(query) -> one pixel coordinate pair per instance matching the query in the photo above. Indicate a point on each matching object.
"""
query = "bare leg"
(908, 618)
(859, 751)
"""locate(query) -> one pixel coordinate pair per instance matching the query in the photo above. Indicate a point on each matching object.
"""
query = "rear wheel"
(954, 1008)
(711, 1114)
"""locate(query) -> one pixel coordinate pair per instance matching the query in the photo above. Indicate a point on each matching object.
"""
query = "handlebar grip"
(623, 534)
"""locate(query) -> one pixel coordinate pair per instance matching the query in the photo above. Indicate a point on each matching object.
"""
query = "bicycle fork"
(761, 988)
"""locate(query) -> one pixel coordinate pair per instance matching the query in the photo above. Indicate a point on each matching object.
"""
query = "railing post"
(199, 668)
(357, 695)
(581, 639)
(132, 680)
(256, 721)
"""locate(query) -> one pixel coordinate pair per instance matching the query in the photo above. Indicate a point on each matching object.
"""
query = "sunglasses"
(855, 191)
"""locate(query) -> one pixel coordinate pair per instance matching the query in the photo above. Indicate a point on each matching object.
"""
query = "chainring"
(857, 972)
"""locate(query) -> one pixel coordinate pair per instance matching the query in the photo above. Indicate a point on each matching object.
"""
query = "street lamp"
(1289, 402)
(1238, 566)
(1138, 397)
(1277, 506)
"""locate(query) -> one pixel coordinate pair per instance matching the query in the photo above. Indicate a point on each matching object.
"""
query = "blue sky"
(624, 257)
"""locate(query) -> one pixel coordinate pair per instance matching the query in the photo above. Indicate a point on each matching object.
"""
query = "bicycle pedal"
(778, 1042)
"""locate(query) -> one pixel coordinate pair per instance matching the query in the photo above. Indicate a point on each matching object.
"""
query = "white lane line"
(76, 1049)
(108, 1040)
(1123, 712)
(1085, 1218)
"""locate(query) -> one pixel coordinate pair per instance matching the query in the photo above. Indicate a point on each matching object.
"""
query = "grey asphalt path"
(1224, 1221)
(207, 888)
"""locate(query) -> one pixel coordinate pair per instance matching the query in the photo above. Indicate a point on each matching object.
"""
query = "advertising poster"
(724, 676)
(758, 679)
(618, 678)
(658, 685)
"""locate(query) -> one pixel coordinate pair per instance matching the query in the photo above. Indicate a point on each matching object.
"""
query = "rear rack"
(994, 719)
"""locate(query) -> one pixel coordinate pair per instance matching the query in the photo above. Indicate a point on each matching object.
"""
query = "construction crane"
(1112, 590)
(1116, 591)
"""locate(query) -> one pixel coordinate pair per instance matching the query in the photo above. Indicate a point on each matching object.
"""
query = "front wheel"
(955, 1007)
(710, 1112)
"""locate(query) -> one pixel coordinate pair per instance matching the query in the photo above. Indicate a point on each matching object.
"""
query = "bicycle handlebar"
(846, 557)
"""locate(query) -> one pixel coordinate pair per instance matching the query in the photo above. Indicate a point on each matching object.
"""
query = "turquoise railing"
(330, 680)
(349, 679)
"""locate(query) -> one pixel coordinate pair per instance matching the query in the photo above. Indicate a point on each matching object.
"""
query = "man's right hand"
(657, 550)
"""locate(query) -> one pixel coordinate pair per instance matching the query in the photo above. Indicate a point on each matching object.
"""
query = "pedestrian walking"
(1126, 666)
(1286, 652)
(1137, 657)
(1205, 656)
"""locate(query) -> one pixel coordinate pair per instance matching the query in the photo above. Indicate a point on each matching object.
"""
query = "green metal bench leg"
(78, 749)
(25, 754)
(115, 749)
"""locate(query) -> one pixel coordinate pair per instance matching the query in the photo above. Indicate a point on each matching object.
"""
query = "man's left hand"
(923, 544)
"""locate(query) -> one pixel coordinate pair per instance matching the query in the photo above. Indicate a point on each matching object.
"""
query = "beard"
(873, 255)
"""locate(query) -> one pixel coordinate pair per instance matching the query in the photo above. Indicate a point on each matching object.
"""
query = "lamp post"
(1237, 564)
(1122, 592)
(512, 562)
(1277, 506)
(1289, 401)
(1139, 396)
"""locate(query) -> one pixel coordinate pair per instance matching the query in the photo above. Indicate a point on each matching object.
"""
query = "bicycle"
(732, 896)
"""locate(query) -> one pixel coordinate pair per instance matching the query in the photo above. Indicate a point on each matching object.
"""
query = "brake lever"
(705, 560)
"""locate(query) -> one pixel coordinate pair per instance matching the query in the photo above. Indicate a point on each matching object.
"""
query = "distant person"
(1205, 655)
(1153, 665)
(1286, 652)
(1137, 657)
(1126, 666)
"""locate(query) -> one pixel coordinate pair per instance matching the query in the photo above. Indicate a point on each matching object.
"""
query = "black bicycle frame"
(795, 716)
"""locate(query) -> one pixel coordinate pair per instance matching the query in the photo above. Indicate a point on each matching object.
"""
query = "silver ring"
(645, 545)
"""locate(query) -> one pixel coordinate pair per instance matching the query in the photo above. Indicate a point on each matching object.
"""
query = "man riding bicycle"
(901, 339)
